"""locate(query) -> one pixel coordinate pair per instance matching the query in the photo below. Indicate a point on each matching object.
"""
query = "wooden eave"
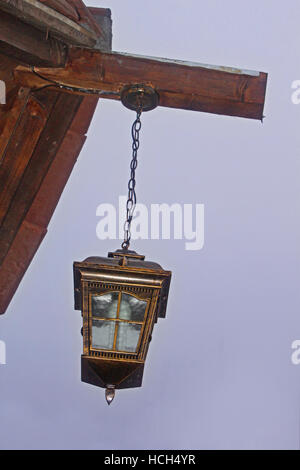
(39, 145)
(39, 141)
(70, 21)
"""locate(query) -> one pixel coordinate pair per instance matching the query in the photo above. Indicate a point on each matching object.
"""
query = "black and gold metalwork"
(139, 96)
(121, 297)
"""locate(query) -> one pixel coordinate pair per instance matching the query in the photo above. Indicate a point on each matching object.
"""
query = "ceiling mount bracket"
(139, 97)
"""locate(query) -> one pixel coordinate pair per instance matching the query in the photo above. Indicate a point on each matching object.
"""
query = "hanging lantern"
(121, 296)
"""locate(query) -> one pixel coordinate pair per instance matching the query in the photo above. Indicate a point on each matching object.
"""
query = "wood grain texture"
(18, 152)
(180, 85)
(17, 260)
(64, 7)
(15, 98)
(83, 31)
(28, 44)
(43, 142)
(86, 18)
(42, 188)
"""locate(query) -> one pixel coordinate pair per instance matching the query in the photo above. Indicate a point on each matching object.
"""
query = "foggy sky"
(219, 373)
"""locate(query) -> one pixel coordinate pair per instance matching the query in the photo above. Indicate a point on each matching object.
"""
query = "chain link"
(131, 201)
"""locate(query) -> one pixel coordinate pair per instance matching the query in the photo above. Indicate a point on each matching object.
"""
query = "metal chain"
(131, 201)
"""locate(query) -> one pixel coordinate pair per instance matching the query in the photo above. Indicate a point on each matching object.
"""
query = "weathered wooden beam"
(29, 44)
(47, 18)
(15, 100)
(63, 7)
(33, 227)
(185, 85)
(36, 140)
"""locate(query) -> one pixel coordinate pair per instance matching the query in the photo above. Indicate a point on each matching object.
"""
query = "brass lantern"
(121, 297)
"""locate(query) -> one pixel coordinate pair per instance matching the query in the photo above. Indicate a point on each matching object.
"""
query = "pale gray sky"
(219, 372)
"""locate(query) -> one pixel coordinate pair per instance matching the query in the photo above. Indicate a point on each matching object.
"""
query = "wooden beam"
(16, 98)
(198, 87)
(28, 44)
(37, 138)
(17, 153)
(33, 226)
(47, 18)
(63, 7)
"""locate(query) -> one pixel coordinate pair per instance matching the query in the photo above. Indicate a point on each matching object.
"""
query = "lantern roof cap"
(123, 258)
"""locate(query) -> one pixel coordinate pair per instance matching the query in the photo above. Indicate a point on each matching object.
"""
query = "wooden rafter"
(39, 14)
(35, 165)
(28, 44)
(39, 144)
(184, 85)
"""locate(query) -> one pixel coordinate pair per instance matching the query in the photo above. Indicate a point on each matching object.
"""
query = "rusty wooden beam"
(185, 85)
(28, 44)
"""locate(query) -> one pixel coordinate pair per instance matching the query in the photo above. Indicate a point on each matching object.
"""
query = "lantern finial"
(110, 394)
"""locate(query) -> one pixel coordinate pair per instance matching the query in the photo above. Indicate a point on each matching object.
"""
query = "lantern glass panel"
(105, 305)
(132, 308)
(103, 333)
(128, 336)
(117, 321)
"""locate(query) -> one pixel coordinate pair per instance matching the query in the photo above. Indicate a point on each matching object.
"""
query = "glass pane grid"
(117, 321)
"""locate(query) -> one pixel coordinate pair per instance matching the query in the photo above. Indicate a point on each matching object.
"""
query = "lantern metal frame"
(123, 271)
